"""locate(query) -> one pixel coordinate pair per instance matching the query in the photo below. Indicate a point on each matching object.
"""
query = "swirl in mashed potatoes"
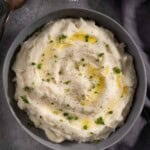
(74, 80)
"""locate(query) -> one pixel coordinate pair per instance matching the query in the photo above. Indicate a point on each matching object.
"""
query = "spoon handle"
(3, 24)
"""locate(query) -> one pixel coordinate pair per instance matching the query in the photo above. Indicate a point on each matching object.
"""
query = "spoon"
(12, 5)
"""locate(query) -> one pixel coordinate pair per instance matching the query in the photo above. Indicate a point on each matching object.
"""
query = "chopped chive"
(47, 80)
(27, 88)
(96, 92)
(33, 63)
(116, 70)
(85, 127)
(110, 112)
(82, 95)
(93, 86)
(51, 41)
(97, 60)
(52, 78)
(86, 38)
(99, 121)
(84, 65)
(65, 114)
(76, 118)
(91, 77)
(82, 59)
(39, 66)
(76, 65)
(60, 72)
(55, 56)
(106, 45)
(24, 98)
(100, 54)
(62, 37)
(70, 117)
(67, 82)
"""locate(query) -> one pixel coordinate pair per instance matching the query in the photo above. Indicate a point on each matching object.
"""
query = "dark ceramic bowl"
(122, 36)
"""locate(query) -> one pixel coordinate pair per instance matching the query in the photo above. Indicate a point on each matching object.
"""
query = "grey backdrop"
(12, 137)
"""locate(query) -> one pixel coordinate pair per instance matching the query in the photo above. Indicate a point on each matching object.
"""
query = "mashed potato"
(74, 80)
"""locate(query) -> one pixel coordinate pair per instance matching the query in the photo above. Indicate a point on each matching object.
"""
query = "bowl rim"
(49, 143)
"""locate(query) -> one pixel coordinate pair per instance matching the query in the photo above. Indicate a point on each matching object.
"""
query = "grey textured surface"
(12, 137)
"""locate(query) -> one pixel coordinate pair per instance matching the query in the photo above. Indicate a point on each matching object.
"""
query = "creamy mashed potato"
(74, 80)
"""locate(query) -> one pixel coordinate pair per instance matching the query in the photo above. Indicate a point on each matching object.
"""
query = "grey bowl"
(121, 35)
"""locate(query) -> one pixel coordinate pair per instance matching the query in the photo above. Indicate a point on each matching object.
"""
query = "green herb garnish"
(96, 92)
(110, 112)
(75, 118)
(65, 114)
(116, 70)
(106, 45)
(97, 60)
(91, 77)
(99, 121)
(70, 117)
(62, 37)
(24, 98)
(82, 59)
(84, 65)
(55, 56)
(85, 127)
(52, 78)
(76, 65)
(28, 89)
(47, 80)
(86, 38)
(33, 63)
(67, 82)
(93, 86)
(100, 55)
(39, 66)
(51, 41)
(60, 72)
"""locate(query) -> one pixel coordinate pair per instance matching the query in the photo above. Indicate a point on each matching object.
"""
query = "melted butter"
(119, 81)
(56, 112)
(106, 70)
(99, 87)
(82, 37)
(56, 44)
(124, 91)
(61, 45)
(86, 122)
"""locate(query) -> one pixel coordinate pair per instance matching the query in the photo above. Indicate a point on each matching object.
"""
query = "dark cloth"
(134, 15)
